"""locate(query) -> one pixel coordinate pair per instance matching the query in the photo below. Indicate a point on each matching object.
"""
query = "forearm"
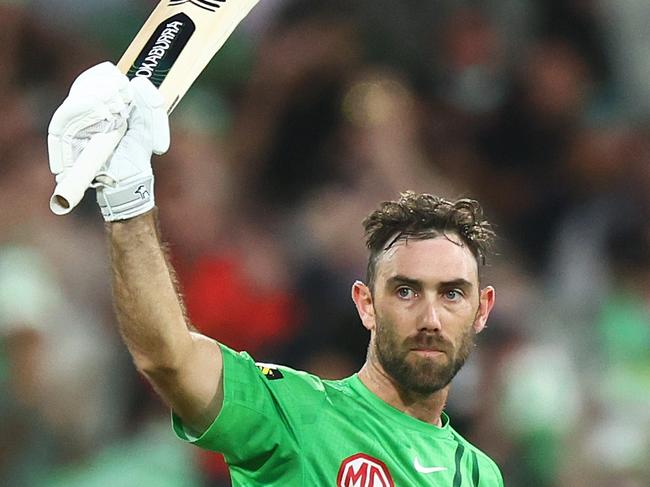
(149, 311)
(185, 368)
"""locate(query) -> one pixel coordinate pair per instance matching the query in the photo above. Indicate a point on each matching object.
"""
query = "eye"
(453, 294)
(405, 293)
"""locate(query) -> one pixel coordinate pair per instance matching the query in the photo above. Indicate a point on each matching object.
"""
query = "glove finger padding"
(125, 184)
(149, 99)
(98, 102)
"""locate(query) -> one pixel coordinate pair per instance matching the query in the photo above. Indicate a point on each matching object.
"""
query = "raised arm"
(184, 367)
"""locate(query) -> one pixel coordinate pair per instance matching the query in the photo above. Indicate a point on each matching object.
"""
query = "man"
(275, 426)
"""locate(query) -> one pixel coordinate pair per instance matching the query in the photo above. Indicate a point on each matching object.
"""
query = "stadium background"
(312, 113)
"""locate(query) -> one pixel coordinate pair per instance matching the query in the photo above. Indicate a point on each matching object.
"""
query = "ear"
(485, 305)
(362, 298)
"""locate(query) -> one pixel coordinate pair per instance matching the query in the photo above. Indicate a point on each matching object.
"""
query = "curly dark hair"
(422, 216)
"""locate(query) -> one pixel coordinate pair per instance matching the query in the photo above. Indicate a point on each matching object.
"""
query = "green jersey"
(282, 428)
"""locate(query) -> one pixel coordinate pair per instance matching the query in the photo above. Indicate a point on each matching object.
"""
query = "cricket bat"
(172, 48)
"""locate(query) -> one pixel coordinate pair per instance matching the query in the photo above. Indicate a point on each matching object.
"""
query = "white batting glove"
(125, 184)
(102, 100)
(99, 102)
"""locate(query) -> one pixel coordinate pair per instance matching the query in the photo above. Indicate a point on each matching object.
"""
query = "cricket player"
(422, 303)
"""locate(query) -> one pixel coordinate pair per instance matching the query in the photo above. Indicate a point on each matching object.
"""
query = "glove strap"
(127, 200)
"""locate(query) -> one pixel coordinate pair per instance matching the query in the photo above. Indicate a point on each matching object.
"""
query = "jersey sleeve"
(254, 427)
(494, 477)
(499, 476)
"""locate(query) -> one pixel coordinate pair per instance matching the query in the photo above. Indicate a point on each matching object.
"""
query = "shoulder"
(484, 462)
(278, 377)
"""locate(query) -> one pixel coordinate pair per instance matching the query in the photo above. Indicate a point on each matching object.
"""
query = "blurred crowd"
(313, 113)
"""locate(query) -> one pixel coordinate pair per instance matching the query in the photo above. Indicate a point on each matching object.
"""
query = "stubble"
(422, 375)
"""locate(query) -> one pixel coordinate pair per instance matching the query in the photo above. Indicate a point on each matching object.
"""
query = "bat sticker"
(211, 5)
(162, 49)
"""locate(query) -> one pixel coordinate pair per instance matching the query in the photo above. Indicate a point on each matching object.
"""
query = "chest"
(363, 450)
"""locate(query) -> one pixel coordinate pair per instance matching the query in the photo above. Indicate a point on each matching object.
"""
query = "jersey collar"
(396, 415)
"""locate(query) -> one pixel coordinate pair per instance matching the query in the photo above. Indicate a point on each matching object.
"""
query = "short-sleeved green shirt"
(281, 427)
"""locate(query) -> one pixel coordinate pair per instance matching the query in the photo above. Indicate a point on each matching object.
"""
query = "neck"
(425, 407)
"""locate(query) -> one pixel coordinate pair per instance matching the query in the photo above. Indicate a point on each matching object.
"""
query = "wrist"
(126, 200)
(138, 227)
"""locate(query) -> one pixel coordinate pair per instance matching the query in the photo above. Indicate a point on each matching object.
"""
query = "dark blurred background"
(312, 113)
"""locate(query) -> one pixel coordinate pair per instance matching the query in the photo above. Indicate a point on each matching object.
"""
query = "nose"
(430, 318)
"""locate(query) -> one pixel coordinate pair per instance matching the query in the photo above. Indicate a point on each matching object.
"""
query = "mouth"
(428, 352)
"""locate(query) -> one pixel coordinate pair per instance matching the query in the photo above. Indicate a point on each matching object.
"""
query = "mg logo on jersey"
(361, 470)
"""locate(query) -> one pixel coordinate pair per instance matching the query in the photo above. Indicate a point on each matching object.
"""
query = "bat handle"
(69, 192)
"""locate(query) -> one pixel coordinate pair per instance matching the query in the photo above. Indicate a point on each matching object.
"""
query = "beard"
(418, 374)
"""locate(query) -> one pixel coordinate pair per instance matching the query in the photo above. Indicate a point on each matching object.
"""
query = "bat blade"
(178, 40)
(171, 49)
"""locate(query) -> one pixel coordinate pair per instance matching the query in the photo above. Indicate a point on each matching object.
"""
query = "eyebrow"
(417, 283)
(399, 279)
(460, 282)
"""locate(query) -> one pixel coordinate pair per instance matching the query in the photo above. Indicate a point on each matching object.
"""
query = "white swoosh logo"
(421, 469)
